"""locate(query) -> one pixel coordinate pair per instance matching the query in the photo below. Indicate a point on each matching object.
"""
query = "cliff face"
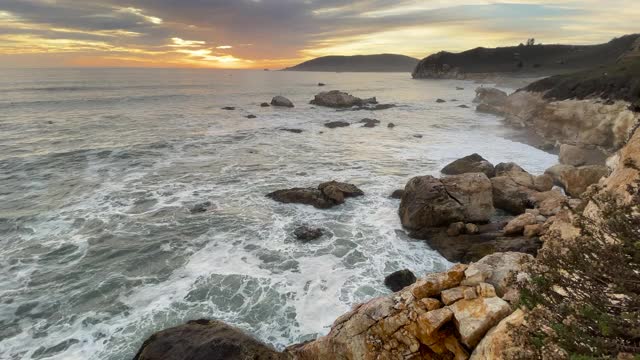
(530, 60)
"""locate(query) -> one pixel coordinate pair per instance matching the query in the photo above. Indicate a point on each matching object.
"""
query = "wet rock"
(381, 106)
(400, 279)
(474, 317)
(397, 194)
(340, 99)
(391, 125)
(456, 229)
(469, 164)
(463, 106)
(228, 108)
(459, 88)
(205, 340)
(200, 207)
(264, 104)
(369, 123)
(295, 131)
(321, 84)
(307, 233)
(417, 136)
(336, 124)
(281, 101)
(441, 101)
(307, 196)
(250, 116)
(338, 191)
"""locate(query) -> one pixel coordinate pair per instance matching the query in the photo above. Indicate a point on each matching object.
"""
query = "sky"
(279, 33)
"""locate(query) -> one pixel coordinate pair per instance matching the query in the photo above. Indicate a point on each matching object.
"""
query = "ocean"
(99, 168)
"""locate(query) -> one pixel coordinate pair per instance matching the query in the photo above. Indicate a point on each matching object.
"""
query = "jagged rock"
(469, 164)
(340, 99)
(452, 295)
(338, 191)
(307, 233)
(431, 202)
(400, 279)
(433, 284)
(474, 317)
(485, 290)
(336, 124)
(516, 226)
(576, 180)
(327, 194)
(548, 203)
(205, 340)
(495, 269)
(397, 194)
(281, 101)
(470, 293)
(498, 342)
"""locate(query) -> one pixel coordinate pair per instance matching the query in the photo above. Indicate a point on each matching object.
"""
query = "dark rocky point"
(264, 104)
(470, 164)
(391, 125)
(200, 207)
(336, 124)
(296, 131)
(400, 279)
(228, 108)
(307, 233)
(441, 101)
(328, 194)
(251, 116)
(463, 106)
(369, 123)
(321, 84)
(397, 194)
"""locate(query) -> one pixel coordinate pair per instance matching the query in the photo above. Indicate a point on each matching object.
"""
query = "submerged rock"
(250, 116)
(328, 194)
(264, 104)
(470, 164)
(200, 207)
(400, 279)
(336, 124)
(441, 101)
(321, 84)
(391, 125)
(228, 108)
(295, 131)
(281, 101)
(463, 106)
(307, 233)
(369, 123)
(205, 340)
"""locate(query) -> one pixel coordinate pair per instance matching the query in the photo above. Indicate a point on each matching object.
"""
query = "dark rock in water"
(281, 101)
(296, 131)
(417, 136)
(49, 122)
(228, 108)
(205, 340)
(340, 99)
(336, 124)
(453, 100)
(264, 104)
(391, 125)
(399, 280)
(459, 88)
(250, 116)
(463, 106)
(307, 196)
(328, 194)
(397, 194)
(470, 164)
(382, 107)
(441, 101)
(321, 84)
(200, 207)
(369, 122)
(307, 233)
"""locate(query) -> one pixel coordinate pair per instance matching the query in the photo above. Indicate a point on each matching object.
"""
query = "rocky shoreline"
(490, 219)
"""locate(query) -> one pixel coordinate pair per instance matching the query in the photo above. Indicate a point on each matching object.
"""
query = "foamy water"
(98, 169)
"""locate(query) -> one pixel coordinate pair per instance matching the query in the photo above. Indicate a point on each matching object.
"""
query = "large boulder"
(576, 180)
(340, 99)
(517, 225)
(473, 163)
(431, 202)
(499, 342)
(579, 155)
(338, 191)
(512, 187)
(328, 194)
(400, 279)
(496, 269)
(307, 233)
(205, 340)
(474, 317)
(281, 101)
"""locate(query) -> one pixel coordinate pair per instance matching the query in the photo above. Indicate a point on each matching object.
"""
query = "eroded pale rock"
(473, 318)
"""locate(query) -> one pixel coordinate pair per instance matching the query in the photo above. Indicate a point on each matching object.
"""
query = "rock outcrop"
(512, 187)
(431, 202)
(400, 279)
(281, 101)
(327, 194)
(307, 233)
(473, 163)
(341, 99)
(576, 180)
(205, 340)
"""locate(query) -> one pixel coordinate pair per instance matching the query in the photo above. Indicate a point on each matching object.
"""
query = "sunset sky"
(278, 33)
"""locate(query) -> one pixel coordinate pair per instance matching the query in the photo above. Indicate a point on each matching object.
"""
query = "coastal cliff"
(531, 60)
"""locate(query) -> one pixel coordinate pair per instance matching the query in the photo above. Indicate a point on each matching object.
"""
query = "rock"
(250, 116)
(548, 203)
(532, 230)
(397, 194)
(264, 104)
(417, 136)
(431, 202)
(369, 122)
(577, 156)
(391, 125)
(459, 88)
(470, 293)
(307, 233)
(338, 191)
(485, 290)
(576, 180)
(516, 226)
(336, 124)
(496, 269)
(431, 303)
(509, 167)
(380, 106)
(307, 196)
(321, 84)
(281, 101)
(474, 317)
(441, 101)
(543, 182)
(433, 284)
(490, 100)
(400, 279)
(498, 342)
(200, 207)
(471, 229)
(340, 99)
(463, 106)
(452, 295)
(295, 131)
(228, 108)
(456, 229)
(512, 187)
(205, 340)
(469, 164)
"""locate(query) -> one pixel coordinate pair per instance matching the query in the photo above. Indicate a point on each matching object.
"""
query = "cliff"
(358, 63)
(531, 60)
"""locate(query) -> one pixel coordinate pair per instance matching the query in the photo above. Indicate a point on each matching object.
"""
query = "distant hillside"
(523, 59)
(358, 63)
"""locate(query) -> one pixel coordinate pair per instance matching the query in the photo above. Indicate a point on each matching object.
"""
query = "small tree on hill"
(531, 42)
